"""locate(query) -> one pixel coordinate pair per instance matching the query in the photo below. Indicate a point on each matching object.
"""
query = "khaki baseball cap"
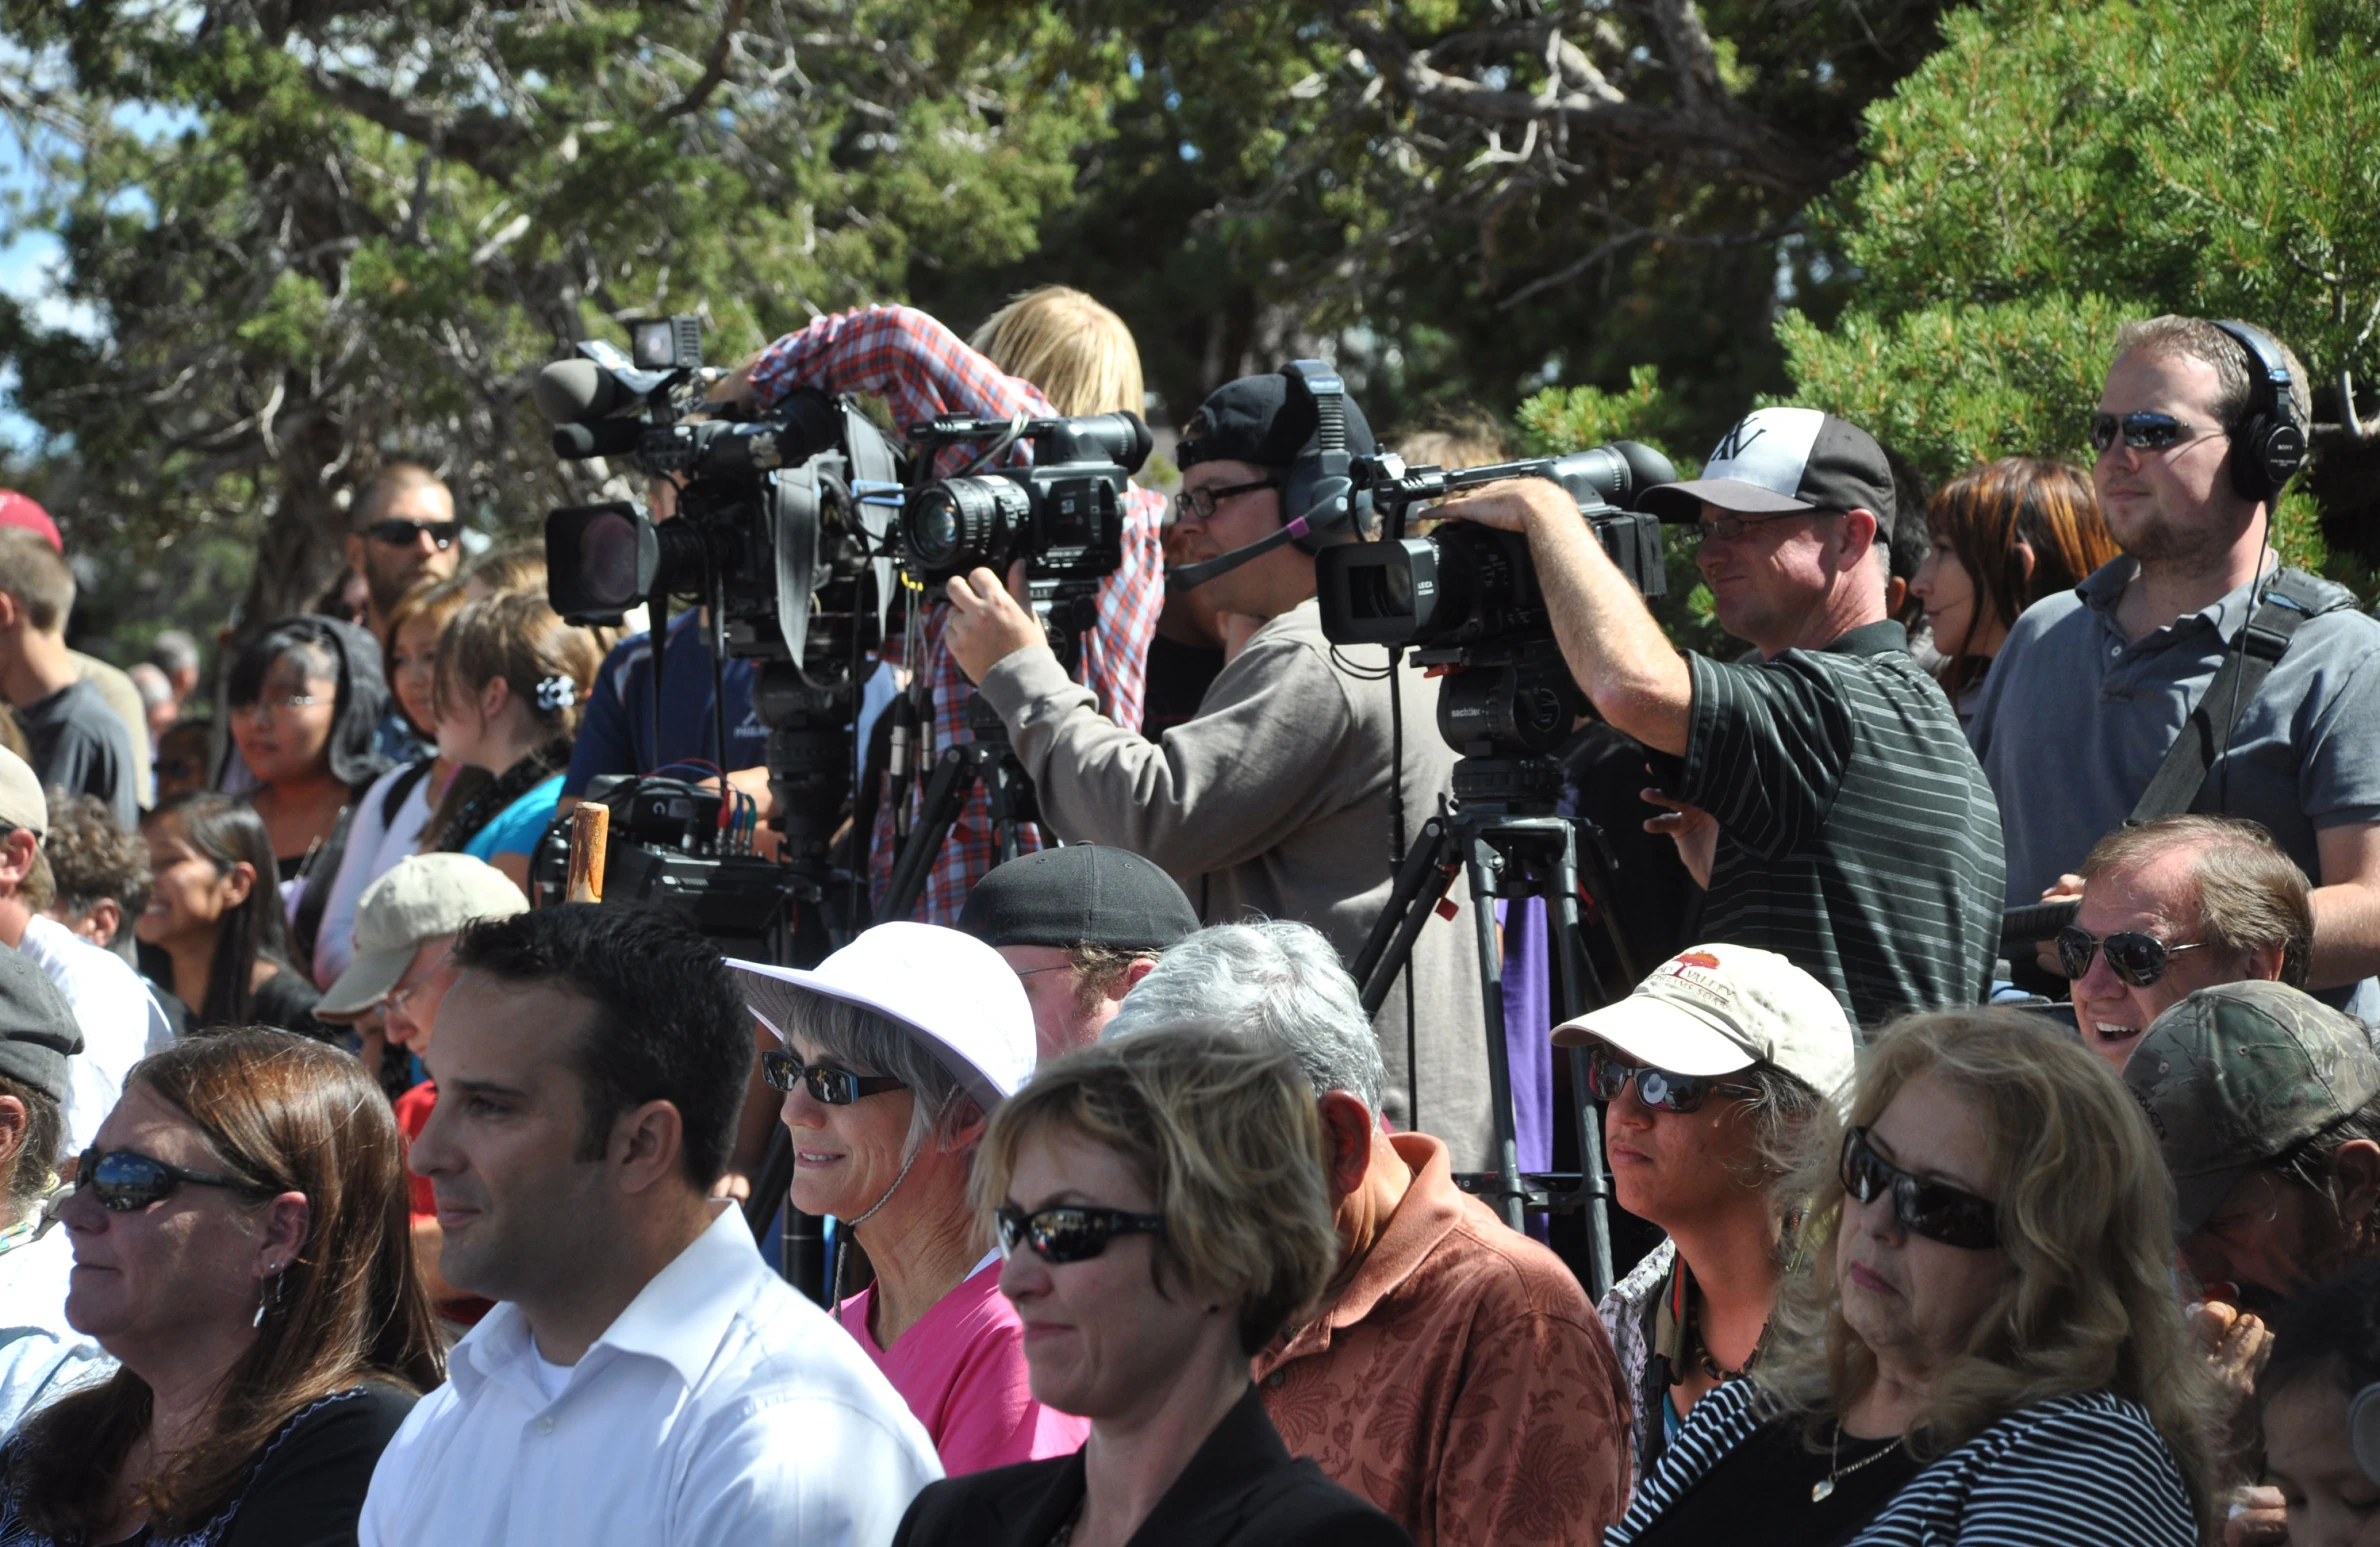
(22, 803)
(1718, 1009)
(422, 897)
(2238, 1075)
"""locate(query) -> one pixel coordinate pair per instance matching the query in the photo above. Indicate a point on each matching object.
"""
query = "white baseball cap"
(1717, 1009)
(22, 804)
(962, 999)
(421, 897)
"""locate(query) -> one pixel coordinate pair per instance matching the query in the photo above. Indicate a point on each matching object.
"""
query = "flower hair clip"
(556, 693)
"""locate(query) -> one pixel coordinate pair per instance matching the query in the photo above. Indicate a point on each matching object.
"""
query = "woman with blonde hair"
(2005, 535)
(1161, 1208)
(1050, 350)
(511, 679)
(1989, 1347)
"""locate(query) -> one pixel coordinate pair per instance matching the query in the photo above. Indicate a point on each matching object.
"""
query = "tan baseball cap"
(1718, 1009)
(21, 802)
(422, 897)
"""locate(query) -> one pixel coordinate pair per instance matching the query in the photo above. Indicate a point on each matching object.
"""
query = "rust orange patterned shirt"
(1461, 1381)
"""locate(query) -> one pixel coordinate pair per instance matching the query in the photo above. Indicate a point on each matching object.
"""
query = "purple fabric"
(1528, 1017)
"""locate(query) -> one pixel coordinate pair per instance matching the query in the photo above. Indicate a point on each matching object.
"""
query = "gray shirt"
(79, 746)
(2074, 721)
(1274, 801)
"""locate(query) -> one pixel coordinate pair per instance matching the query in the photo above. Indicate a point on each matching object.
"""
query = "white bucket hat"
(960, 997)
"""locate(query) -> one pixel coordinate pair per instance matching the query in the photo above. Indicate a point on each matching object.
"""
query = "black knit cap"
(1255, 419)
(1083, 894)
(38, 1032)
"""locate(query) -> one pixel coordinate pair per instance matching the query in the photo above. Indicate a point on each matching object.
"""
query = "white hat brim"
(1660, 1034)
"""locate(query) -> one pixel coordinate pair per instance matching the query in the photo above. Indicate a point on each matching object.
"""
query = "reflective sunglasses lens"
(2138, 959)
(2151, 432)
(126, 1181)
(1604, 1077)
(1677, 1093)
(781, 1070)
(2104, 430)
(835, 1087)
(1066, 1235)
(1010, 1223)
(2075, 950)
(1950, 1216)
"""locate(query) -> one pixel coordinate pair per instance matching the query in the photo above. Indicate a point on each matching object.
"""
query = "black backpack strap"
(392, 799)
(2288, 601)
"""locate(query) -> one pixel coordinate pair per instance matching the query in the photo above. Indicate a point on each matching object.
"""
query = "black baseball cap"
(1259, 419)
(1083, 894)
(38, 1031)
(1782, 460)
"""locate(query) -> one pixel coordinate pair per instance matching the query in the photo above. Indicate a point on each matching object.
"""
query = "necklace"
(1823, 1489)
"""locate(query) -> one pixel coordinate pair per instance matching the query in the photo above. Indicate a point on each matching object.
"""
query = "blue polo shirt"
(2074, 720)
(616, 734)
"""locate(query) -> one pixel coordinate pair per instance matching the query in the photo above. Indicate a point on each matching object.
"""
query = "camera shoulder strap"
(2287, 602)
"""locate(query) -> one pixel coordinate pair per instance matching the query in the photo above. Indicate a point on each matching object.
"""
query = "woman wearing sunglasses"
(892, 1051)
(239, 1247)
(1988, 1347)
(1163, 1211)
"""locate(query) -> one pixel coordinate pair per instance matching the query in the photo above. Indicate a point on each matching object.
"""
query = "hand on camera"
(989, 622)
(1508, 506)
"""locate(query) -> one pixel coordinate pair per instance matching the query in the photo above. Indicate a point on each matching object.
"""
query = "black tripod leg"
(1484, 863)
(1574, 980)
(1428, 871)
(946, 795)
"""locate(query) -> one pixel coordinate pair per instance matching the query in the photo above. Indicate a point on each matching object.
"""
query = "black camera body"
(1467, 597)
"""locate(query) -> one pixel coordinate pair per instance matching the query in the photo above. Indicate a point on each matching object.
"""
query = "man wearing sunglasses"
(40, 1355)
(2174, 906)
(400, 529)
(1823, 794)
(2095, 686)
(1706, 1072)
(1454, 1374)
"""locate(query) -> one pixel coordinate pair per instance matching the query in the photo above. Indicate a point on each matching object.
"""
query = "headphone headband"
(1317, 498)
(2268, 444)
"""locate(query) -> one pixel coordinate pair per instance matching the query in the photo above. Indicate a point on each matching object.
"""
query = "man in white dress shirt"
(646, 1380)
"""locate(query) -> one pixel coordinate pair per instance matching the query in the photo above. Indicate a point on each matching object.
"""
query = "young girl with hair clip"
(512, 678)
(2005, 535)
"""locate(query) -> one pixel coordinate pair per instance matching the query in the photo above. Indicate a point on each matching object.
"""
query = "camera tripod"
(989, 760)
(1503, 832)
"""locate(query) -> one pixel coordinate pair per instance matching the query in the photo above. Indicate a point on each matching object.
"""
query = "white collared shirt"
(720, 1410)
(121, 1022)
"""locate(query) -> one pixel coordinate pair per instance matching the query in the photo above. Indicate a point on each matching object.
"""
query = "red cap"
(17, 510)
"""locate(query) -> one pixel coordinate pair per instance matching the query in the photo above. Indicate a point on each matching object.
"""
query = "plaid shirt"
(922, 369)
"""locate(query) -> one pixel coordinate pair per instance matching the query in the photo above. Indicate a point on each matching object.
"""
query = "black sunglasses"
(2143, 432)
(836, 1087)
(1656, 1088)
(127, 1180)
(1935, 1210)
(1069, 1234)
(2138, 959)
(404, 534)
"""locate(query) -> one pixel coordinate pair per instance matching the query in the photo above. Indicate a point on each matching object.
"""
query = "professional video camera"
(1064, 515)
(1467, 596)
(778, 532)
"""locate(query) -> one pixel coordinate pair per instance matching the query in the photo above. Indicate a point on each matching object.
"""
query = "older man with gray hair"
(1455, 1374)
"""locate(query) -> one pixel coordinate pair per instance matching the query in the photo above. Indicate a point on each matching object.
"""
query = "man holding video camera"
(1822, 793)
(1277, 798)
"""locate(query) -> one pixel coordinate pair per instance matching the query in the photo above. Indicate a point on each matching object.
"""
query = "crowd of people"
(348, 1197)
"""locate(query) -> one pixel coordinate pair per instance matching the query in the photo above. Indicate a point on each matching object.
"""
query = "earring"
(269, 1296)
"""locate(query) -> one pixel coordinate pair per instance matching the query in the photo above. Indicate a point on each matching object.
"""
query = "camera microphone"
(576, 391)
(1325, 512)
(604, 438)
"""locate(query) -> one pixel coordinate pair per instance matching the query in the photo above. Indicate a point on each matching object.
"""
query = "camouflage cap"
(2239, 1074)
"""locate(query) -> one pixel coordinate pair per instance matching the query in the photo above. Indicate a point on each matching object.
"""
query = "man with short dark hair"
(40, 1354)
(75, 741)
(99, 873)
(1823, 793)
(401, 528)
(2094, 686)
(1081, 925)
(646, 1379)
(2174, 906)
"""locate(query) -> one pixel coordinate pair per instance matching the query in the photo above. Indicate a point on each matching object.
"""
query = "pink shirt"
(961, 1369)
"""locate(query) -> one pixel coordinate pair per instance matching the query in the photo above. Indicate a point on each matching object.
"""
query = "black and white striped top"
(2086, 1469)
(1858, 837)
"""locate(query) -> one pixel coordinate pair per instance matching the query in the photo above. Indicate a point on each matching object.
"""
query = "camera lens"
(957, 524)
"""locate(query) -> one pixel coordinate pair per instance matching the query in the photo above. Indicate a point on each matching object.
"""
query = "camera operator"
(1826, 798)
(1277, 797)
(1049, 351)
(2125, 666)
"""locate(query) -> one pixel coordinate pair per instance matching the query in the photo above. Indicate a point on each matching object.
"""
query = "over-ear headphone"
(2268, 444)
(1318, 478)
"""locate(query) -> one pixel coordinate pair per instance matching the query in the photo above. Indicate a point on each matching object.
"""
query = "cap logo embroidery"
(1736, 442)
(1685, 959)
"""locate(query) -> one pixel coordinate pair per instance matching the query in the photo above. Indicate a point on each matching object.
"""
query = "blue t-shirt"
(616, 734)
(516, 829)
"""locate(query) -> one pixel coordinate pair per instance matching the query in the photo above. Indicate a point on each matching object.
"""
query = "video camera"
(1063, 515)
(1467, 596)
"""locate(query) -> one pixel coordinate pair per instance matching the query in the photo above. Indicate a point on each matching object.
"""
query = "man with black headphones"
(1278, 798)
(2191, 672)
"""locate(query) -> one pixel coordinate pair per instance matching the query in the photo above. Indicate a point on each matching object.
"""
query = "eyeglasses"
(404, 534)
(1935, 1210)
(1727, 528)
(286, 703)
(826, 1083)
(2136, 958)
(1199, 504)
(1069, 1234)
(2144, 432)
(128, 1181)
(1657, 1088)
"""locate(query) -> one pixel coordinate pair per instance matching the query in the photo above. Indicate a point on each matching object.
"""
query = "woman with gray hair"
(895, 1051)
